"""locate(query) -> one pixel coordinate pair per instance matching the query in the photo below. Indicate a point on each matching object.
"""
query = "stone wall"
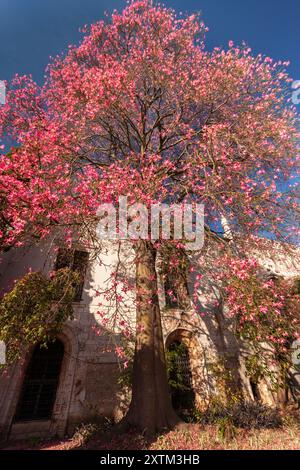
(88, 385)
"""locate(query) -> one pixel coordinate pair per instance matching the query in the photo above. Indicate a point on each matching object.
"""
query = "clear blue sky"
(32, 30)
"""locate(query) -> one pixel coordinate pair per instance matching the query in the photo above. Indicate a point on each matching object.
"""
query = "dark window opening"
(40, 383)
(293, 386)
(176, 292)
(180, 378)
(176, 282)
(255, 390)
(170, 293)
(77, 261)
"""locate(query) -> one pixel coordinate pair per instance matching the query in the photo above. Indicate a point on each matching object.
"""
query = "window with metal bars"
(180, 376)
(77, 261)
(40, 383)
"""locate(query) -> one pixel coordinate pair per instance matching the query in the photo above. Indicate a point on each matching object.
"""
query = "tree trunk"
(150, 409)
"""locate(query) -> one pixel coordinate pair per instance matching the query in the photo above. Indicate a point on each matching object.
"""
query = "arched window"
(40, 383)
(180, 377)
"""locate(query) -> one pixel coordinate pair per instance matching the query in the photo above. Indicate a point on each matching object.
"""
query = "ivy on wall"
(35, 310)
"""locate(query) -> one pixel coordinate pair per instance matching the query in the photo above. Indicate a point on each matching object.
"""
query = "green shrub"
(247, 415)
(35, 310)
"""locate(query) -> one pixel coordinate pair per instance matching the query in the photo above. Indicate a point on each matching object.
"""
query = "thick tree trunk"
(151, 408)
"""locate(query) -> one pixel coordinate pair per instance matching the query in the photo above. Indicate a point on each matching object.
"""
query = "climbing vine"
(266, 315)
(35, 310)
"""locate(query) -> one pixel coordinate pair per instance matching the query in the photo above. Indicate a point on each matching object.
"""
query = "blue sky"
(32, 30)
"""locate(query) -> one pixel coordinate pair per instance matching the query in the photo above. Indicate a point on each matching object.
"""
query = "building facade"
(75, 380)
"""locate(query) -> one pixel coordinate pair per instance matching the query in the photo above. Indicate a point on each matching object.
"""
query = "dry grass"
(191, 437)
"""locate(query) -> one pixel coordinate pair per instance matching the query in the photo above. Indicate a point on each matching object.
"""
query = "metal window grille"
(180, 377)
(183, 367)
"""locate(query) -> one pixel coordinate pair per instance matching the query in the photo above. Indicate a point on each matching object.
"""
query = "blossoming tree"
(141, 109)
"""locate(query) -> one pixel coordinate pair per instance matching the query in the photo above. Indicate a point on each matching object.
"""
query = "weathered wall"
(88, 381)
(88, 384)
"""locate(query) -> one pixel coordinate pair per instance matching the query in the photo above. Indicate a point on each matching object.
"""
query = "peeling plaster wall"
(88, 385)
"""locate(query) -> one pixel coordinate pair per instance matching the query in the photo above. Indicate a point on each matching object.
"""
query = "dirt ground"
(191, 437)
